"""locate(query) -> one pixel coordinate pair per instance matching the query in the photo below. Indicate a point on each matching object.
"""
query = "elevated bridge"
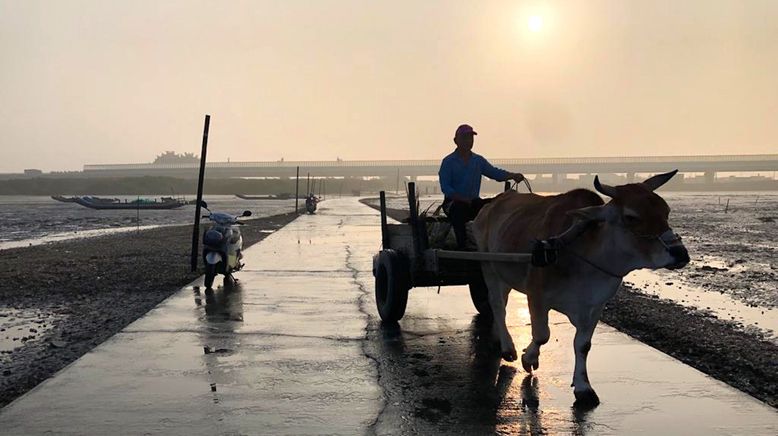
(557, 167)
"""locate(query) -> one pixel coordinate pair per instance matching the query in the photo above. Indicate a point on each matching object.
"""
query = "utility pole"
(297, 192)
(201, 177)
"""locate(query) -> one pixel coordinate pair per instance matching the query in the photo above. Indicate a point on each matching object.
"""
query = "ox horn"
(610, 191)
(658, 180)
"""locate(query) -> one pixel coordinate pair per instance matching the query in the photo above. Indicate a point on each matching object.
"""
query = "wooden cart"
(406, 261)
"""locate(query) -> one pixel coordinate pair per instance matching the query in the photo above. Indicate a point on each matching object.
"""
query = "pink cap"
(465, 129)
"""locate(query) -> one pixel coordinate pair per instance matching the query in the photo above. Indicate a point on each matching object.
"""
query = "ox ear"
(658, 180)
(610, 191)
(590, 214)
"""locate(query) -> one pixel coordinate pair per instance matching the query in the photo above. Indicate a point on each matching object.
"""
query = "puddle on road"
(17, 327)
(670, 286)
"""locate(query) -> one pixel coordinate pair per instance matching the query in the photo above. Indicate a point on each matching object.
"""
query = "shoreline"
(720, 349)
(74, 235)
(72, 295)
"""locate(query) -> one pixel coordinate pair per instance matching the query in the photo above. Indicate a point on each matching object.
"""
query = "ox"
(600, 244)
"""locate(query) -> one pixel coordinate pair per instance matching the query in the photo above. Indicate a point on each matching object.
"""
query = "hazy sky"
(120, 81)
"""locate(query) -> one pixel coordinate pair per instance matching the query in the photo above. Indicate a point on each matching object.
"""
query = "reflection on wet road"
(442, 375)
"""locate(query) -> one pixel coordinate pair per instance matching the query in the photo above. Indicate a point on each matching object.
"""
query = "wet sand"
(60, 300)
(743, 358)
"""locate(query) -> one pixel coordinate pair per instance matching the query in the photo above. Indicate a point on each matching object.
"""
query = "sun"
(535, 23)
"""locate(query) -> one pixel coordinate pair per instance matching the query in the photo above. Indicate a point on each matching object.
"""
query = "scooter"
(222, 245)
(311, 201)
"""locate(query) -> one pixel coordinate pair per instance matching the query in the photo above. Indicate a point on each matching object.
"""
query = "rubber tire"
(229, 282)
(479, 294)
(391, 285)
(210, 275)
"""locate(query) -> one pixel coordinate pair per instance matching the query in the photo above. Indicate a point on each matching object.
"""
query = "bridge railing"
(430, 162)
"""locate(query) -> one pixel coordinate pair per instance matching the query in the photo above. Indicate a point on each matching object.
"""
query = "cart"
(406, 261)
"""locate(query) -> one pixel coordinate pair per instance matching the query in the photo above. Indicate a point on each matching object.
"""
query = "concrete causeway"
(297, 348)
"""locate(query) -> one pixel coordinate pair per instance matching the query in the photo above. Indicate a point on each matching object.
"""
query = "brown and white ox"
(628, 233)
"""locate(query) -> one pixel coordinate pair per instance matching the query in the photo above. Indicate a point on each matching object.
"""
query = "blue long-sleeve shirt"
(458, 177)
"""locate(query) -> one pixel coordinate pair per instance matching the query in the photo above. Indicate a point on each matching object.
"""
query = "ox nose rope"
(595, 266)
(547, 251)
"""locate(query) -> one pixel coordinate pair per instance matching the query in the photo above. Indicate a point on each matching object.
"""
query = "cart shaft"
(484, 256)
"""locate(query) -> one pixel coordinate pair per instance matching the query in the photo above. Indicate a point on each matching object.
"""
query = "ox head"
(636, 225)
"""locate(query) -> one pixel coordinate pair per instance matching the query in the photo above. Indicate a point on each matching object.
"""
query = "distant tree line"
(171, 157)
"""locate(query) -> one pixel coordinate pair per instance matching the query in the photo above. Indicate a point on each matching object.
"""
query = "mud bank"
(60, 300)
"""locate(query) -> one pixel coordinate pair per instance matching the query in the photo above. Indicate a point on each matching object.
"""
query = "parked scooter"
(311, 201)
(222, 245)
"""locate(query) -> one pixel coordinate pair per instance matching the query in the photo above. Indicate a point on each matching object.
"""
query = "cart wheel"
(391, 285)
(479, 293)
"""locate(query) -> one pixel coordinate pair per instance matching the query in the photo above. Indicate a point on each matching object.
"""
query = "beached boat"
(64, 199)
(253, 197)
(265, 197)
(139, 204)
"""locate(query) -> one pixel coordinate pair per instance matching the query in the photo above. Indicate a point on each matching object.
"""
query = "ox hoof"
(529, 365)
(587, 399)
(509, 356)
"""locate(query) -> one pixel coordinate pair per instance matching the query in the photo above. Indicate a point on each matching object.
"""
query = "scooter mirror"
(246, 213)
(203, 204)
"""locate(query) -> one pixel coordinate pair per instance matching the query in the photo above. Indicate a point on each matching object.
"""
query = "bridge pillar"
(710, 176)
(414, 179)
(556, 178)
(630, 177)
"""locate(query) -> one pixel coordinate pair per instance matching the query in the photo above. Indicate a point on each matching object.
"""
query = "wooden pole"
(384, 226)
(297, 192)
(196, 228)
(308, 186)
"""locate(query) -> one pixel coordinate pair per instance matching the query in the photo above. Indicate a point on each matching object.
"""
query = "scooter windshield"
(222, 218)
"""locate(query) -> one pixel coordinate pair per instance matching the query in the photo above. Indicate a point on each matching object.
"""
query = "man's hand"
(517, 177)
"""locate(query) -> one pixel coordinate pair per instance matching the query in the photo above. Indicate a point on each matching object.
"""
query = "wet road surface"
(297, 348)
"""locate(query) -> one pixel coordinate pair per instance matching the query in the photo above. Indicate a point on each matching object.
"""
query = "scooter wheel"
(210, 275)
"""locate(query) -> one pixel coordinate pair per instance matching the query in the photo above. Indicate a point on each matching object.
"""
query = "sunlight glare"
(535, 23)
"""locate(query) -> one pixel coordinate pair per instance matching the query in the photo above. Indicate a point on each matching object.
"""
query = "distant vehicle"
(141, 203)
(311, 203)
(222, 246)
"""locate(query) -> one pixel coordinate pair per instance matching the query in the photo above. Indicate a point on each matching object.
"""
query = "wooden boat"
(64, 199)
(265, 197)
(253, 197)
(140, 204)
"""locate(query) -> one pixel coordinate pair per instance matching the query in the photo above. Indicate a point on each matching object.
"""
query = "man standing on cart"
(460, 181)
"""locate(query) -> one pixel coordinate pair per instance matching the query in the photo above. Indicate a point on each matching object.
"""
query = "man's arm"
(499, 174)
